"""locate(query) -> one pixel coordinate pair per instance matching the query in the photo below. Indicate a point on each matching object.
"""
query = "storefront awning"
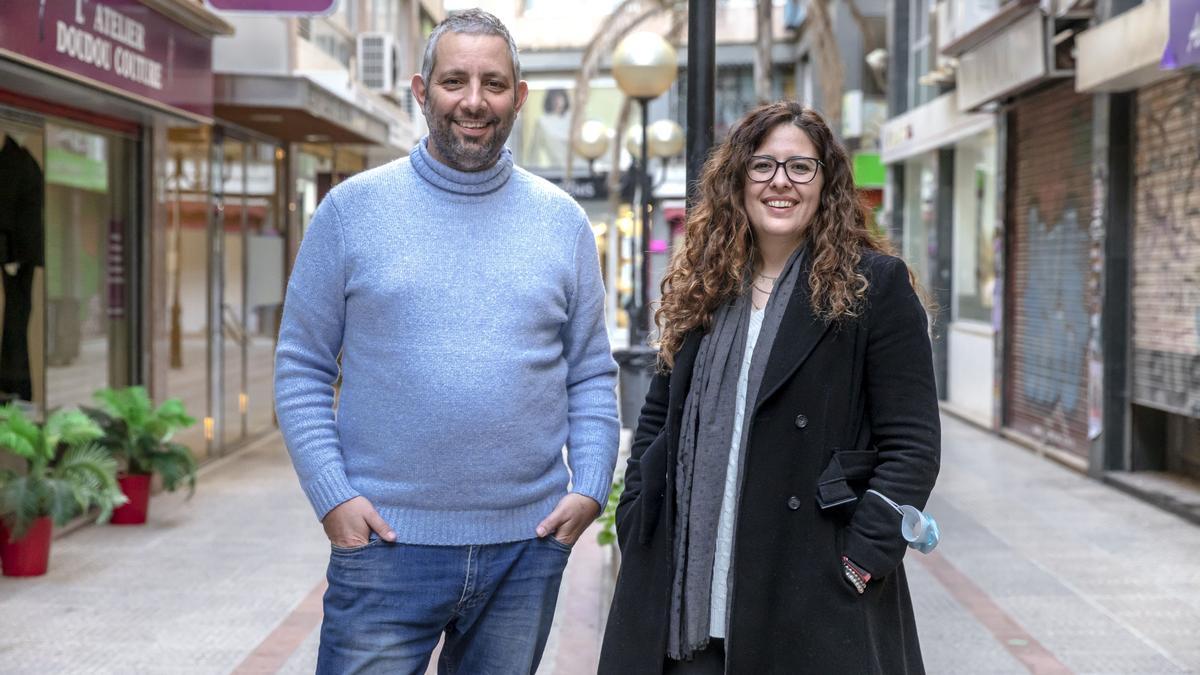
(296, 109)
(1142, 33)
(936, 124)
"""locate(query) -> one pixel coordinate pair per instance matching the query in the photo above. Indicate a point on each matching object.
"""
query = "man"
(464, 298)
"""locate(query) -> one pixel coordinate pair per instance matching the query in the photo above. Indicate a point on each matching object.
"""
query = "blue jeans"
(388, 604)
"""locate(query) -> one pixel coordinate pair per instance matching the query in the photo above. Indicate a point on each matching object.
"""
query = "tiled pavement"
(1040, 570)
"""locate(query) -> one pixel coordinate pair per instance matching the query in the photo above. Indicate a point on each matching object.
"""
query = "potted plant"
(66, 473)
(608, 518)
(139, 435)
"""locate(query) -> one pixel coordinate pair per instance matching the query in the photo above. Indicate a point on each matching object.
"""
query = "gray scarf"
(707, 426)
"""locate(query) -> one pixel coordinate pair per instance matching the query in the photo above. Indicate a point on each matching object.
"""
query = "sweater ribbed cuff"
(328, 490)
(594, 483)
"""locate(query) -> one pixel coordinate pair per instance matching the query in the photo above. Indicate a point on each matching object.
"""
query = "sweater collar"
(461, 182)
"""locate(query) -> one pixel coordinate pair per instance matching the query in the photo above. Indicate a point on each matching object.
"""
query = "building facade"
(1083, 240)
(89, 94)
(167, 159)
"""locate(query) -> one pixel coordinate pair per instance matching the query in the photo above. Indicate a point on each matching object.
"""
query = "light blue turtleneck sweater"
(468, 311)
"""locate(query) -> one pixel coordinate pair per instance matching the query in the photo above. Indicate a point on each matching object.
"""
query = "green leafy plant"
(139, 435)
(66, 474)
(608, 520)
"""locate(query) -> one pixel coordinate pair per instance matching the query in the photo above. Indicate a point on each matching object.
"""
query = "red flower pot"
(136, 487)
(30, 555)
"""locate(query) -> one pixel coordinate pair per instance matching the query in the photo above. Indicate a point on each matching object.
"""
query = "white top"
(719, 606)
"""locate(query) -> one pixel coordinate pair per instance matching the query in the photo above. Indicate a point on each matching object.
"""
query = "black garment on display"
(15, 381)
(21, 235)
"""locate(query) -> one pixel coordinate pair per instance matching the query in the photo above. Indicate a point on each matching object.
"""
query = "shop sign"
(584, 188)
(116, 269)
(294, 7)
(1183, 44)
(77, 159)
(869, 171)
(119, 43)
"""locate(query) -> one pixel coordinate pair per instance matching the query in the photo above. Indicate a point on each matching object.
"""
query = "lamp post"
(644, 66)
(591, 143)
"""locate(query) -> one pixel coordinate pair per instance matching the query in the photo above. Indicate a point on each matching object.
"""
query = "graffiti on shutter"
(1050, 271)
(1166, 258)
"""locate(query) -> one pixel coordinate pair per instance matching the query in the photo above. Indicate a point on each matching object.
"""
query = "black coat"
(840, 409)
(21, 197)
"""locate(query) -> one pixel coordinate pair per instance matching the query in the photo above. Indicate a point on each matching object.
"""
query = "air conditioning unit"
(404, 98)
(377, 65)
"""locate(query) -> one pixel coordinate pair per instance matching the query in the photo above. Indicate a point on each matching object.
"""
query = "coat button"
(801, 421)
(794, 503)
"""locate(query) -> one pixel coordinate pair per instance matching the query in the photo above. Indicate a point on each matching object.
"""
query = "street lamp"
(666, 139)
(644, 66)
(591, 143)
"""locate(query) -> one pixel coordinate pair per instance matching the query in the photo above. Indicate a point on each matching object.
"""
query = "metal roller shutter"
(1166, 259)
(1048, 271)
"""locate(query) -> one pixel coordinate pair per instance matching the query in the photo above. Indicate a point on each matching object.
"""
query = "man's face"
(471, 100)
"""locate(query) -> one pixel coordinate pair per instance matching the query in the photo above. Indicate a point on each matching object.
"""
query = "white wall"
(259, 46)
(972, 357)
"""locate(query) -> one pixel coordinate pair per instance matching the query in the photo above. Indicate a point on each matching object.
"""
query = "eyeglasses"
(801, 170)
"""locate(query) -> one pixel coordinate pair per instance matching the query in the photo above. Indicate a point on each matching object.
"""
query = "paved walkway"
(1041, 570)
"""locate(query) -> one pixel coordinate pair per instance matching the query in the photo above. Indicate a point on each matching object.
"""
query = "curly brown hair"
(719, 250)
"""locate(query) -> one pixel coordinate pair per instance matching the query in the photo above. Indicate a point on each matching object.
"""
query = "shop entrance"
(66, 219)
(225, 270)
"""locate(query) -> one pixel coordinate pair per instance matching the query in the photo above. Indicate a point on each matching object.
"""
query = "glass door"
(264, 281)
(187, 258)
(235, 217)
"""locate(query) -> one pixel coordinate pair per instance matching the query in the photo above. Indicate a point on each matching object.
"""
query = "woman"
(796, 375)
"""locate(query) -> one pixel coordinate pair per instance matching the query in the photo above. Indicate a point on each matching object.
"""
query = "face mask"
(919, 529)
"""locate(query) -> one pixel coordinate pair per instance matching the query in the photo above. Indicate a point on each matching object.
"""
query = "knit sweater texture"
(468, 312)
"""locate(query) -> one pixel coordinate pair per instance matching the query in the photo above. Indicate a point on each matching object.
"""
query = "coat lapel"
(800, 330)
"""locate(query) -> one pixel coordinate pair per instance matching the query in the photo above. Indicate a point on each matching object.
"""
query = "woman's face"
(781, 208)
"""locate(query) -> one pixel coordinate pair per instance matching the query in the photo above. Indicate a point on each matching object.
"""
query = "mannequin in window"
(548, 148)
(21, 235)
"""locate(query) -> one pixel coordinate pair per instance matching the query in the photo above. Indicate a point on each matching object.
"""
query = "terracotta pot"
(30, 555)
(136, 487)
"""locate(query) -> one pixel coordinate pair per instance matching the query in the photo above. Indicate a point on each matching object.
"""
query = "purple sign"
(1183, 45)
(274, 6)
(120, 43)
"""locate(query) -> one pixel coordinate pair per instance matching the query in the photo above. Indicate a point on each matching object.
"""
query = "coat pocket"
(844, 467)
(654, 486)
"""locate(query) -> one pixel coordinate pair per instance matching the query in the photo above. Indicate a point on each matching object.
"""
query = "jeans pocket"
(373, 540)
(556, 543)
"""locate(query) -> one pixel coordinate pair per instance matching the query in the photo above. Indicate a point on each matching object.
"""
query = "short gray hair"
(468, 22)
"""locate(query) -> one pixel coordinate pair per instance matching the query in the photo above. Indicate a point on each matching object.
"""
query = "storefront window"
(540, 139)
(22, 228)
(919, 58)
(920, 185)
(89, 207)
(974, 227)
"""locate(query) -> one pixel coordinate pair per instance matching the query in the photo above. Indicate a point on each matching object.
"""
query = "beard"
(464, 153)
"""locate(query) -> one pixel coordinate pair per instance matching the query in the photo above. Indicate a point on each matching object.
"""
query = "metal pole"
(701, 76)
(641, 243)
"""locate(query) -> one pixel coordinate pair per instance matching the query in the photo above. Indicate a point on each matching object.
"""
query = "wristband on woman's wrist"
(857, 576)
